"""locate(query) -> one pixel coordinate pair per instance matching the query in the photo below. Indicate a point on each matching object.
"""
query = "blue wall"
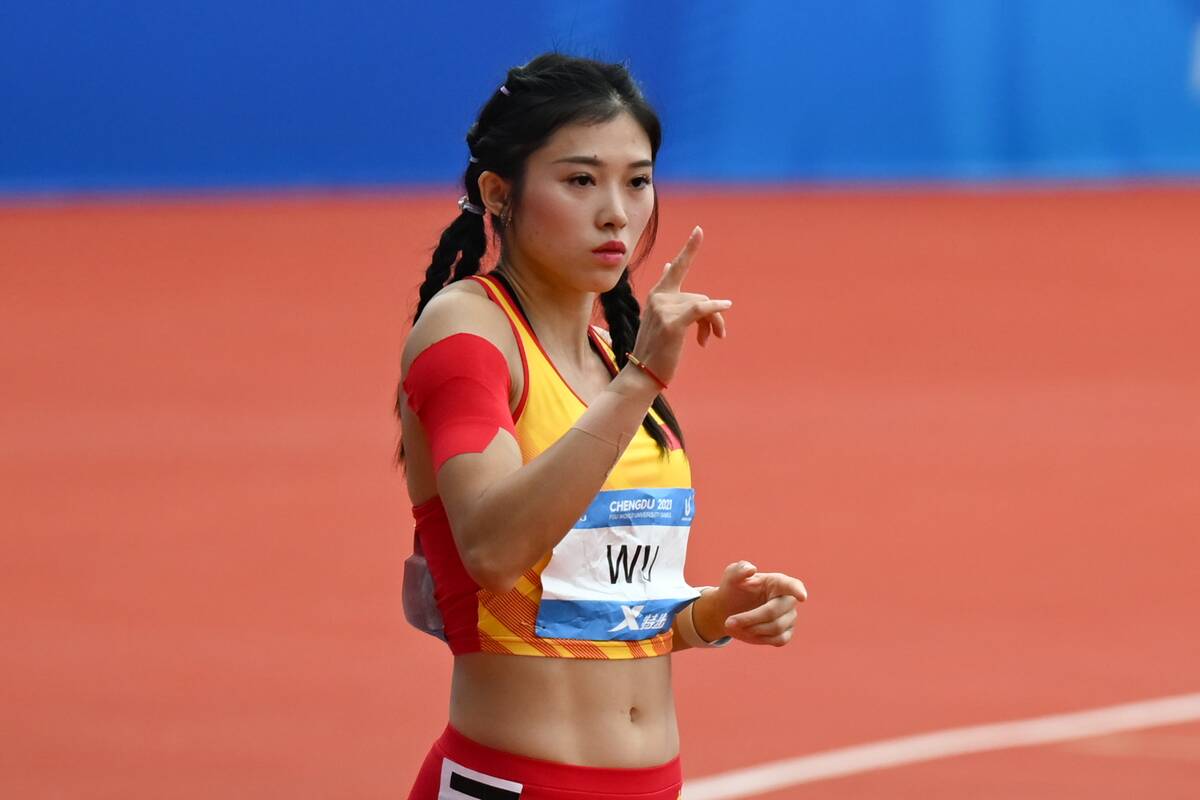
(154, 94)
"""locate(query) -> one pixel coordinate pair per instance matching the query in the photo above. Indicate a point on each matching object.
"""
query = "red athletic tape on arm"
(458, 387)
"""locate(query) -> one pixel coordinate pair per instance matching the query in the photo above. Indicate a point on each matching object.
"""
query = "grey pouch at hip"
(420, 607)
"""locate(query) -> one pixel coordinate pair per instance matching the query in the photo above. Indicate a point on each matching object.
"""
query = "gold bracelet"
(637, 362)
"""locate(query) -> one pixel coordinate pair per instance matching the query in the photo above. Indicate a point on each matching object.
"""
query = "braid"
(624, 316)
(458, 255)
(459, 251)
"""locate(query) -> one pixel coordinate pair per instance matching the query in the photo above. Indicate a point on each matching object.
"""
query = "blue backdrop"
(152, 94)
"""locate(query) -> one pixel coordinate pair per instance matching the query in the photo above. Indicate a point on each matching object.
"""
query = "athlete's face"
(588, 187)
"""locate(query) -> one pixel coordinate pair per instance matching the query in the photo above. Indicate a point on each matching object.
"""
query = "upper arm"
(462, 478)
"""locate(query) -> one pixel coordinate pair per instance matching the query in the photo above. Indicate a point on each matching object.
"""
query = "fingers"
(739, 570)
(718, 325)
(706, 312)
(777, 632)
(677, 269)
(769, 611)
(712, 325)
(704, 308)
(777, 584)
(777, 627)
(777, 641)
(772, 627)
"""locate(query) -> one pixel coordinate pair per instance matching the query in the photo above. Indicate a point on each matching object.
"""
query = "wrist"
(708, 616)
(685, 626)
(634, 383)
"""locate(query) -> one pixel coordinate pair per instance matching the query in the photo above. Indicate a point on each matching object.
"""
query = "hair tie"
(473, 160)
(466, 205)
(504, 90)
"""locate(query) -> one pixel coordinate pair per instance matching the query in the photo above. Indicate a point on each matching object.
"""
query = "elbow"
(481, 560)
(488, 574)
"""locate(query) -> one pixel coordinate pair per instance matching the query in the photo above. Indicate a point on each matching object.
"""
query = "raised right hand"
(669, 311)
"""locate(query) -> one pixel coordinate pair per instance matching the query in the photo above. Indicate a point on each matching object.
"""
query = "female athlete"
(552, 493)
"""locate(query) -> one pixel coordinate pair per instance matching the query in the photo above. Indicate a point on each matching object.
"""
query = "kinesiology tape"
(458, 387)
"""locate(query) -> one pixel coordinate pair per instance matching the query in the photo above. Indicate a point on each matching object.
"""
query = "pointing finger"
(793, 586)
(779, 584)
(677, 268)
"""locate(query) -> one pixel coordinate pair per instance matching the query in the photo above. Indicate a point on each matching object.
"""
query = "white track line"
(944, 744)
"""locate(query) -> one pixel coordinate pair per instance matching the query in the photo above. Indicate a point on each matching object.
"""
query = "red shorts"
(458, 768)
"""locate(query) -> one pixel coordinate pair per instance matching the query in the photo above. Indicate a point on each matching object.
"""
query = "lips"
(611, 247)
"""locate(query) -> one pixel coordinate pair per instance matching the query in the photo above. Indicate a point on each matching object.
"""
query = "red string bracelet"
(637, 362)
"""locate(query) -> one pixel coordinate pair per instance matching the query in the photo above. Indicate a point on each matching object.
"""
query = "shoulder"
(461, 307)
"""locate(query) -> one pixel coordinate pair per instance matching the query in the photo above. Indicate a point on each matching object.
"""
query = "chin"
(605, 279)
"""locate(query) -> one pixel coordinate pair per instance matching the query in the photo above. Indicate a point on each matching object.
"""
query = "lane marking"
(944, 744)
(1140, 744)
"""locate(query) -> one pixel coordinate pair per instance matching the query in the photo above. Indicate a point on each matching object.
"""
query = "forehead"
(619, 141)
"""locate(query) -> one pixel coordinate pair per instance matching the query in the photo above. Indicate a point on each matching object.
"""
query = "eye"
(641, 181)
(582, 179)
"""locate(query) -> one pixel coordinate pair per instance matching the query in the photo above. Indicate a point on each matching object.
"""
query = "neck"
(560, 317)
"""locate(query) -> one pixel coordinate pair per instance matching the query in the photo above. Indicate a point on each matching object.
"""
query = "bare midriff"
(618, 714)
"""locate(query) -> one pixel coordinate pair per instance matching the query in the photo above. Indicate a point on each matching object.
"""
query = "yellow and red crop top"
(611, 587)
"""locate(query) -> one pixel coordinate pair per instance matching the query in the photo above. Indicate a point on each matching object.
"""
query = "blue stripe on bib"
(597, 620)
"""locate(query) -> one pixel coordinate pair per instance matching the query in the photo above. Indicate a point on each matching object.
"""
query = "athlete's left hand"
(757, 607)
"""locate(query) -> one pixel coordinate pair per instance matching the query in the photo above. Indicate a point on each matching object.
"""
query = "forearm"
(519, 518)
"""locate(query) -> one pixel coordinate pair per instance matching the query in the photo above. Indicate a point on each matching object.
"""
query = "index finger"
(782, 585)
(677, 268)
(794, 587)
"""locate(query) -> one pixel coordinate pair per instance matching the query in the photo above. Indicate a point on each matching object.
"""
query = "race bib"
(618, 574)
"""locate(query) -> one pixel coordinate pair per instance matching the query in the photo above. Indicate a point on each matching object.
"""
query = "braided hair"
(535, 100)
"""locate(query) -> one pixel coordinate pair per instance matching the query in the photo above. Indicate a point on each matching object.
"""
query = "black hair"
(535, 100)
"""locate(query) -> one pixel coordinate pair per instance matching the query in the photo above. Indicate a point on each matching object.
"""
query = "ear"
(494, 190)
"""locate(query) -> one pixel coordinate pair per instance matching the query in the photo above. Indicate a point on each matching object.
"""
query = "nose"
(612, 211)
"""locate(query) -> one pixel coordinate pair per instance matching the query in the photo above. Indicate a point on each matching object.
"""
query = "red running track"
(970, 421)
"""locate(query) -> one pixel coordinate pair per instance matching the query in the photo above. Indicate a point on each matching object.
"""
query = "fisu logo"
(687, 507)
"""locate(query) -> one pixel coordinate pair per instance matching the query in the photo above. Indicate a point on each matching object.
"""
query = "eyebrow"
(595, 162)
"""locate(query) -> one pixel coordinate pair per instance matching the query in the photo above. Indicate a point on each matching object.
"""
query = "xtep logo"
(652, 622)
(631, 614)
